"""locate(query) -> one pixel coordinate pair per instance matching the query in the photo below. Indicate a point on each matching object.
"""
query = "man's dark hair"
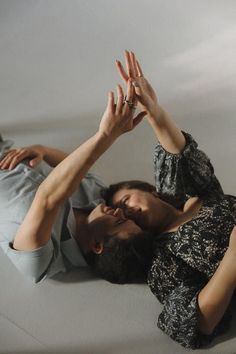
(108, 193)
(123, 261)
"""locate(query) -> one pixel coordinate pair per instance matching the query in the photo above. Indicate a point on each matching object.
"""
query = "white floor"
(76, 313)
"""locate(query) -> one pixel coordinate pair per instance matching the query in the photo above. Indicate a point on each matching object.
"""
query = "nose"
(107, 209)
(132, 212)
(119, 213)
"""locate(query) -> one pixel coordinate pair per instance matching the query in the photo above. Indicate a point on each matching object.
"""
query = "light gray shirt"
(17, 191)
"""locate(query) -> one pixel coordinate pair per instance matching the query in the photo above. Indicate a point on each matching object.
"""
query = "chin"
(142, 224)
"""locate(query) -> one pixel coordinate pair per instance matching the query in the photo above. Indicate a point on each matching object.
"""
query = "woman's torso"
(189, 210)
(202, 238)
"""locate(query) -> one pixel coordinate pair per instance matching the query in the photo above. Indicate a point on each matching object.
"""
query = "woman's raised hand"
(14, 156)
(118, 117)
(144, 92)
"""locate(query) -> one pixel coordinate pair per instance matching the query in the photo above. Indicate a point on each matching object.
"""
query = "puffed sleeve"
(184, 175)
(179, 318)
(177, 288)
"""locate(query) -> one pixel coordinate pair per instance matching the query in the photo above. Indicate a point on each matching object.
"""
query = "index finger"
(129, 66)
(130, 91)
(130, 98)
(140, 73)
(122, 71)
(137, 65)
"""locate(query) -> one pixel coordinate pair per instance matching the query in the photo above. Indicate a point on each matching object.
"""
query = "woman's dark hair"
(108, 193)
(123, 261)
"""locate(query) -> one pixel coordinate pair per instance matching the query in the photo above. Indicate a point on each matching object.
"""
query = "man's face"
(113, 222)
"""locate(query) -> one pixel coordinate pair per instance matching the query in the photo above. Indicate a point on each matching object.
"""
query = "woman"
(42, 228)
(193, 272)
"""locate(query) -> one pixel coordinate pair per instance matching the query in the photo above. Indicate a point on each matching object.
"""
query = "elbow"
(205, 326)
(206, 330)
(46, 199)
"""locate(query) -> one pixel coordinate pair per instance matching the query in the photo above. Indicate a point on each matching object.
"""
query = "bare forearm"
(167, 132)
(53, 156)
(65, 178)
(214, 298)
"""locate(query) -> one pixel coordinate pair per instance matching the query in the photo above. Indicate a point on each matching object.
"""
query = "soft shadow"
(231, 333)
(135, 345)
(75, 276)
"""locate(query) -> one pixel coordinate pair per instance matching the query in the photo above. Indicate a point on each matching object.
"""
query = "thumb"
(34, 162)
(137, 87)
(139, 118)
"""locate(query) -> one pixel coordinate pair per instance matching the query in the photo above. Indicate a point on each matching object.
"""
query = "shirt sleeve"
(177, 288)
(184, 175)
(88, 195)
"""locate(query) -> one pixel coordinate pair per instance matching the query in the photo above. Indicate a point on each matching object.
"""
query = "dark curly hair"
(123, 261)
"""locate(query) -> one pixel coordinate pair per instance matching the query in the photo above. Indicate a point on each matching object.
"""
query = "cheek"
(136, 200)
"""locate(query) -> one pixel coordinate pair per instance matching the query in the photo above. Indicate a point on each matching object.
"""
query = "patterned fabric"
(185, 260)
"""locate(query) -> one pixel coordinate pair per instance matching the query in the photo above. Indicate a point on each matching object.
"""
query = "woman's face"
(113, 222)
(142, 207)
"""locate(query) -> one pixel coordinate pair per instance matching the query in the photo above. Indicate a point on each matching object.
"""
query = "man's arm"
(53, 156)
(36, 153)
(35, 231)
(64, 179)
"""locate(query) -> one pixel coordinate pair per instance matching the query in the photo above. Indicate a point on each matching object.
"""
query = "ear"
(97, 247)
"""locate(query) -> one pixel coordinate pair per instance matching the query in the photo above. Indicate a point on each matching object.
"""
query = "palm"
(148, 97)
(118, 117)
(145, 94)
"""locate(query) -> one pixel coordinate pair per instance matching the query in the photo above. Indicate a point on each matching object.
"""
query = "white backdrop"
(57, 65)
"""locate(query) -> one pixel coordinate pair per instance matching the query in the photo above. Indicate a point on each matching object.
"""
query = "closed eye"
(123, 201)
(121, 221)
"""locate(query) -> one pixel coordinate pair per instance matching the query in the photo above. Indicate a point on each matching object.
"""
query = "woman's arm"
(192, 309)
(164, 127)
(214, 298)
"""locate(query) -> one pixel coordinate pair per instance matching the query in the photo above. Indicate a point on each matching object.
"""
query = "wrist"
(157, 115)
(105, 137)
(157, 112)
(44, 151)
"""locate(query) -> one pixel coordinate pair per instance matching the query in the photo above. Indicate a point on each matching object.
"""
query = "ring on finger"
(130, 103)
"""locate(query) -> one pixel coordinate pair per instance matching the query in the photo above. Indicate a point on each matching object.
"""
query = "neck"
(168, 216)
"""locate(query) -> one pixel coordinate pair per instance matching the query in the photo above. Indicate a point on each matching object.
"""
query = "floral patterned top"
(186, 259)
